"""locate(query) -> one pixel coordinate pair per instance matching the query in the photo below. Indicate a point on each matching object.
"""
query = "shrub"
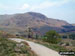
(52, 37)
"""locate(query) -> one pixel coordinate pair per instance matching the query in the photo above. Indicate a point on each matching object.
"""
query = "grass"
(7, 47)
(55, 47)
(12, 48)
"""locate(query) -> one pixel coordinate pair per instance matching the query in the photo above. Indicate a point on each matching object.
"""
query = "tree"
(52, 37)
(30, 33)
(72, 36)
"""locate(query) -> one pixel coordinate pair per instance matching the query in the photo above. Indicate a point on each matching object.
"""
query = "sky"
(57, 9)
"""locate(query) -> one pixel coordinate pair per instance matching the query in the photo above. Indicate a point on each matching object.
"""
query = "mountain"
(73, 24)
(36, 21)
(32, 19)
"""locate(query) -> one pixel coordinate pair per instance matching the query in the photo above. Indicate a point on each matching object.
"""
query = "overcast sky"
(58, 9)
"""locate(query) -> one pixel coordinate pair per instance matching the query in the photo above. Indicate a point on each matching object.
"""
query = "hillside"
(73, 24)
(39, 49)
(36, 21)
(12, 48)
(33, 19)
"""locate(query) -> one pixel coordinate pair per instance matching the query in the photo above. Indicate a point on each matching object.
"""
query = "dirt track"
(40, 50)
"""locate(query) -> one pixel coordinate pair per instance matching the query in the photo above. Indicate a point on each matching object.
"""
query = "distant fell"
(36, 21)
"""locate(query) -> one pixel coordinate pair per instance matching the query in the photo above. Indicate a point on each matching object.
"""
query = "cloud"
(43, 5)
(25, 6)
(6, 7)
(47, 4)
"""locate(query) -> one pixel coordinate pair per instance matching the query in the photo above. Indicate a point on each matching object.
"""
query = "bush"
(12, 48)
(7, 47)
(52, 37)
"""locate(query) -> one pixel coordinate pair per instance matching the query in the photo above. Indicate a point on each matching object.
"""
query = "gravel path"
(40, 50)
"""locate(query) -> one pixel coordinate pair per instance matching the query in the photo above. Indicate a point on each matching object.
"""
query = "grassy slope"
(8, 48)
(11, 29)
(55, 47)
(49, 45)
